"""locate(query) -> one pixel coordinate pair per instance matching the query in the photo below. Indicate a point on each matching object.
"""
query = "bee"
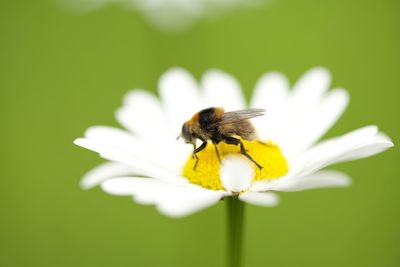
(215, 125)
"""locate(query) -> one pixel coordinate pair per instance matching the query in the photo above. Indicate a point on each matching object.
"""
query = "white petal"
(320, 179)
(183, 203)
(303, 112)
(313, 84)
(317, 121)
(266, 199)
(170, 199)
(169, 155)
(142, 114)
(376, 145)
(360, 143)
(140, 166)
(222, 90)
(103, 172)
(180, 96)
(297, 119)
(236, 173)
(271, 93)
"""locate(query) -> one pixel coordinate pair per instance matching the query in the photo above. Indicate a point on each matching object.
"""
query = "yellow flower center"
(206, 173)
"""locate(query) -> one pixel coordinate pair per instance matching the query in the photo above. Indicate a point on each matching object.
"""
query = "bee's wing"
(240, 115)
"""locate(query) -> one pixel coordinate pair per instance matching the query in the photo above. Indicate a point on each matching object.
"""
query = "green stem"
(235, 209)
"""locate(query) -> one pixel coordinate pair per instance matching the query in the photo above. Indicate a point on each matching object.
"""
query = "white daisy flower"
(169, 15)
(149, 164)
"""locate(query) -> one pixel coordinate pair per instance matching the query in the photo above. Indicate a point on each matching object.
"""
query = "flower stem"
(235, 209)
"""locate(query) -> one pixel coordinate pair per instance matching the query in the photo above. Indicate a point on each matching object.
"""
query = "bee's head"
(186, 134)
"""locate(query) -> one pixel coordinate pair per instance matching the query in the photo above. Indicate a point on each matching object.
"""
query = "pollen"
(206, 173)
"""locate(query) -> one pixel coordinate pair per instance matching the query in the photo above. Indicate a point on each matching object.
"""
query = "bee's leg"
(216, 150)
(197, 160)
(243, 151)
(235, 141)
(195, 151)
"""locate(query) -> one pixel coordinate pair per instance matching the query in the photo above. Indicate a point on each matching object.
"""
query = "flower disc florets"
(207, 172)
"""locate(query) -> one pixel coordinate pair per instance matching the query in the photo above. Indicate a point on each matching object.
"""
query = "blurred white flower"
(169, 15)
(147, 163)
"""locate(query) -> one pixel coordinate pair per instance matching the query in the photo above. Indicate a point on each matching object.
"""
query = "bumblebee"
(216, 125)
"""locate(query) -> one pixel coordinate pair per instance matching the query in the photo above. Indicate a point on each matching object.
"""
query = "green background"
(61, 72)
